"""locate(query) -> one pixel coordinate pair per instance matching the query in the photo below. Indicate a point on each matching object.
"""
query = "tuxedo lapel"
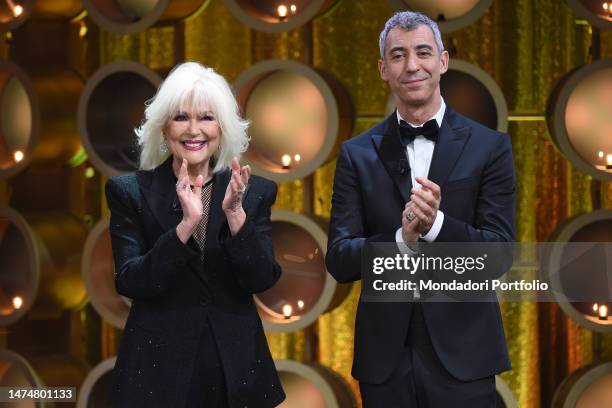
(393, 156)
(161, 196)
(451, 141)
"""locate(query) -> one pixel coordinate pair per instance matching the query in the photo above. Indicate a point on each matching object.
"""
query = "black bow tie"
(407, 132)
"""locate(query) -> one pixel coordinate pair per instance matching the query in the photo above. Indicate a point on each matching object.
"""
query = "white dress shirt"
(419, 155)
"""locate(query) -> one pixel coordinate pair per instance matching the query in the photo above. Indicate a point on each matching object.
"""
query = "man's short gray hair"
(409, 20)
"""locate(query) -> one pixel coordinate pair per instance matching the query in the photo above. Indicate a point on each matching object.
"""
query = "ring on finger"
(181, 186)
(410, 216)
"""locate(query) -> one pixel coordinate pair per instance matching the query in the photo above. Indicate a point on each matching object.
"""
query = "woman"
(191, 242)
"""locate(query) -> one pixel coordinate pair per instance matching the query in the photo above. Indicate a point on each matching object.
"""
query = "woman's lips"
(194, 146)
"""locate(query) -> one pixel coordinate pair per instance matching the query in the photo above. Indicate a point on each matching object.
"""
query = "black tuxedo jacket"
(473, 166)
(174, 292)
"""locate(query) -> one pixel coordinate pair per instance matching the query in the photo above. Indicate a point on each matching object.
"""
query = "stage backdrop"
(526, 46)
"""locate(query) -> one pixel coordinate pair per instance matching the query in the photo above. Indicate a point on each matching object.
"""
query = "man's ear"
(382, 69)
(443, 62)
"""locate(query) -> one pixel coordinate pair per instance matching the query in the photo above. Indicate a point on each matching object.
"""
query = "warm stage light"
(603, 312)
(15, 8)
(297, 157)
(282, 11)
(18, 155)
(17, 302)
(286, 161)
(287, 309)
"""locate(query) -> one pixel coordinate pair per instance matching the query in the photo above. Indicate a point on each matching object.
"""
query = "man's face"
(412, 66)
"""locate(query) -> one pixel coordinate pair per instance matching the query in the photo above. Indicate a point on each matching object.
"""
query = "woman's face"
(194, 135)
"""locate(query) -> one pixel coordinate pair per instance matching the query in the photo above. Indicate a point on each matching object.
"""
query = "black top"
(175, 292)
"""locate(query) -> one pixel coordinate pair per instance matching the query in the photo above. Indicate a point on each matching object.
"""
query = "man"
(400, 182)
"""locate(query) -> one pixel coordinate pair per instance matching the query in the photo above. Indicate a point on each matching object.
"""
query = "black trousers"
(421, 381)
(208, 382)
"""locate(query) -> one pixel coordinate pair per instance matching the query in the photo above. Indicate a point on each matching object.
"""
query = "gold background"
(525, 45)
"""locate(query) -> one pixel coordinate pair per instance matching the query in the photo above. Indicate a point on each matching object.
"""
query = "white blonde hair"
(194, 84)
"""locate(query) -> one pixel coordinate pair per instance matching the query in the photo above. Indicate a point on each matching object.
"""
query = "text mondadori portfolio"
(430, 285)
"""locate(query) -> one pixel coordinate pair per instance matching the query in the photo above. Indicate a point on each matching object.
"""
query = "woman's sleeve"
(141, 272)
(250, 251)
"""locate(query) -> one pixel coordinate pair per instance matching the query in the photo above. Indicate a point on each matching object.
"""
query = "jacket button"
(204, 302)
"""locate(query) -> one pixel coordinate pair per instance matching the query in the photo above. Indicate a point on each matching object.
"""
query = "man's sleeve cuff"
(433, 232)
(401, 245)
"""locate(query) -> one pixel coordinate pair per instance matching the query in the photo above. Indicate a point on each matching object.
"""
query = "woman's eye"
(180, 117)
(207, 117)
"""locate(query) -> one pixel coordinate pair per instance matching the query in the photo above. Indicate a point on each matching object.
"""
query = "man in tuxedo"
(426, 173)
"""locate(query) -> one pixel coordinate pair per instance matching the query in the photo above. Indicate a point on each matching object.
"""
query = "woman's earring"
(163, 147)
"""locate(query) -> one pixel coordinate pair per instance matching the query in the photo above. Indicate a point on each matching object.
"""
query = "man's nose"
(411, 64)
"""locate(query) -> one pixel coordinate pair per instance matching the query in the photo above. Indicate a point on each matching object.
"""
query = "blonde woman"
(191, 242)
